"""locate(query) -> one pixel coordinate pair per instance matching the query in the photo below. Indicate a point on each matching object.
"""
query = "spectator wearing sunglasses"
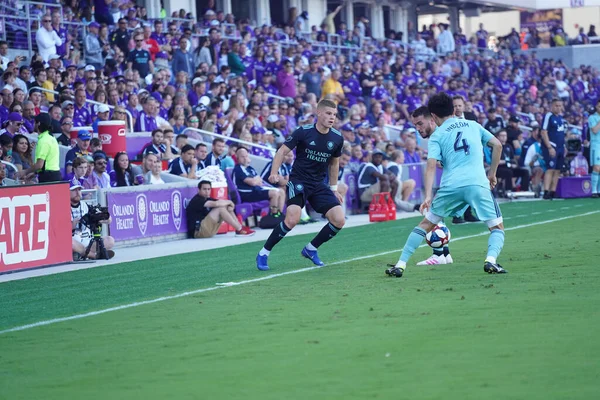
(15, 122)
(47, 39)
(99, 178)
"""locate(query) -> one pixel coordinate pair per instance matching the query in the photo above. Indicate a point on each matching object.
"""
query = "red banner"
(35, 226)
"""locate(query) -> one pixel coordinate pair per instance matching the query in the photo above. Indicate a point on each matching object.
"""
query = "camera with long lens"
(95, 215)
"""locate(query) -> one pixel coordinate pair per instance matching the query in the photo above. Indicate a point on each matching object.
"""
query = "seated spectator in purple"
(123, 173)
(146, 121)
(98, 179)
(411, 154)
(82, 148)
(82, 116)
(80, 170)
(185, 165)
(251, 186)
(15, 122)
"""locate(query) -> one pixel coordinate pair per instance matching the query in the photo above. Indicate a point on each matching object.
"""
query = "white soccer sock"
(490, 259)
(264, 252)
(311, 247)
(401, 265)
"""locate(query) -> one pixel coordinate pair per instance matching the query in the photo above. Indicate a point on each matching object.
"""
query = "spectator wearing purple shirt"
(157, 34)
(482, 37)
(411, 155)
(379, 92)
(62, 34)
(351, 86)
(82, 116)
(412, 101)
(286, 83)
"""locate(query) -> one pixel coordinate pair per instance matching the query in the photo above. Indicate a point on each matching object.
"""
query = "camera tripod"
(101, 252)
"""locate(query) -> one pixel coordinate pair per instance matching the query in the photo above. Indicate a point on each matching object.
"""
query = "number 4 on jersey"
(458, 141)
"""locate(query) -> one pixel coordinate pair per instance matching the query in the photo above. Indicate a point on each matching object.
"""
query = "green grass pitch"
(345, 331)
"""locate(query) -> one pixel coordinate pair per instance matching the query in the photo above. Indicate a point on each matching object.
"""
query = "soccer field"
(343, 331)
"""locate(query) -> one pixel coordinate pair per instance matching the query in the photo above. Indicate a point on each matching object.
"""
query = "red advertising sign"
(35, 226)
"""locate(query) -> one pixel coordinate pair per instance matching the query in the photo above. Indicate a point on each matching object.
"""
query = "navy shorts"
(319, 195)
(553, 163)
(255, 196)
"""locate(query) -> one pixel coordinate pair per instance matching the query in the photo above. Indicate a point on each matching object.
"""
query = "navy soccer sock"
(278, 233)
(328, 232)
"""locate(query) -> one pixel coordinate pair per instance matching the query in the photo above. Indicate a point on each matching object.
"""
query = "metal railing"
(129, 115)
(10, 181)
(226, 138)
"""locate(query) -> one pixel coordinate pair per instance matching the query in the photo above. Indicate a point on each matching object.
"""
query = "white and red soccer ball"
(438, 236)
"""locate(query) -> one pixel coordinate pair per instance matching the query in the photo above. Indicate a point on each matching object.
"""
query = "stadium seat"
(245, 210)
(415, 171)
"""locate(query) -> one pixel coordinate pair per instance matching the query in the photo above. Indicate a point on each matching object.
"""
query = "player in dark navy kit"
(318, 149)
(553, 146)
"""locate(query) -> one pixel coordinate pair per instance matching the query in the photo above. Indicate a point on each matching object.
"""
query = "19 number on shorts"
(457, 143)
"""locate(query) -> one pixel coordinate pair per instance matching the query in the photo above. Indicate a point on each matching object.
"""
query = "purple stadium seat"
(415, 171)
(352, 199)
(246, 210)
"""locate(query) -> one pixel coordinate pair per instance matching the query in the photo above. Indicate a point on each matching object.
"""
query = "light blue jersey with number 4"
(458, 144)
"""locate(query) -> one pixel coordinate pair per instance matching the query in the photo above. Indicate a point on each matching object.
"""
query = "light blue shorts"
(595, 154)
(450, 202)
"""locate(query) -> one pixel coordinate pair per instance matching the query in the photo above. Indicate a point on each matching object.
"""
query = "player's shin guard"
(595, 180)
(414, 240)
(278, 233)
(328, 232)
(495, 244)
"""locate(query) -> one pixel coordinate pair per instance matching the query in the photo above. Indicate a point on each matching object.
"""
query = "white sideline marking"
(264, 278)
(535, 213)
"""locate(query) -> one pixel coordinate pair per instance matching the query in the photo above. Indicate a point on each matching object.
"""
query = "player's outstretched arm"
(283, 151)
(496, 154)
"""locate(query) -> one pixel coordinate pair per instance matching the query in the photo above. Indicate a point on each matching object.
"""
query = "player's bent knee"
(410, 183)
(499, 227)
(427, 225)
(292, 217)
(336, 217)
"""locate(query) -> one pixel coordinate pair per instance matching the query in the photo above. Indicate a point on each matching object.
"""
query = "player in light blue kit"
(458, 145)
(594, 124)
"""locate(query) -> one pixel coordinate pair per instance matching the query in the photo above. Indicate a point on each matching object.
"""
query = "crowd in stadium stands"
(259, 84)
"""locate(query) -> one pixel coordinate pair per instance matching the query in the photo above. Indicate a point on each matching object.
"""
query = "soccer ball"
(438, 237)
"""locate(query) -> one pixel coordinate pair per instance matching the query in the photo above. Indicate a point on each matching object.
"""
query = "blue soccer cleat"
(312, 256)
(262, 262)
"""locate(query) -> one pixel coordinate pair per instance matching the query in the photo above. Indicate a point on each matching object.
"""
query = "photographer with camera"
(86, 225)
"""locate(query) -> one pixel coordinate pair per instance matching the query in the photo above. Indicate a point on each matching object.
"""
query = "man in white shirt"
(47, 39)
(445, 39)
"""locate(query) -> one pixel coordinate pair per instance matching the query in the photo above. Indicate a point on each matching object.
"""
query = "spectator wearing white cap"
(103, 114)
(47, 39)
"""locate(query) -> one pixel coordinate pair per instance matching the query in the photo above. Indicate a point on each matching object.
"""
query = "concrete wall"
(572, 56)
(501, 23)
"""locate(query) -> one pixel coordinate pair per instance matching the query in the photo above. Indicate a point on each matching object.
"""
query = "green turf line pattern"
(255, 280)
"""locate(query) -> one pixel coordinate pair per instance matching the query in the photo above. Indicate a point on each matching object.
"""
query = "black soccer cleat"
(393, 271)
(492, 268)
